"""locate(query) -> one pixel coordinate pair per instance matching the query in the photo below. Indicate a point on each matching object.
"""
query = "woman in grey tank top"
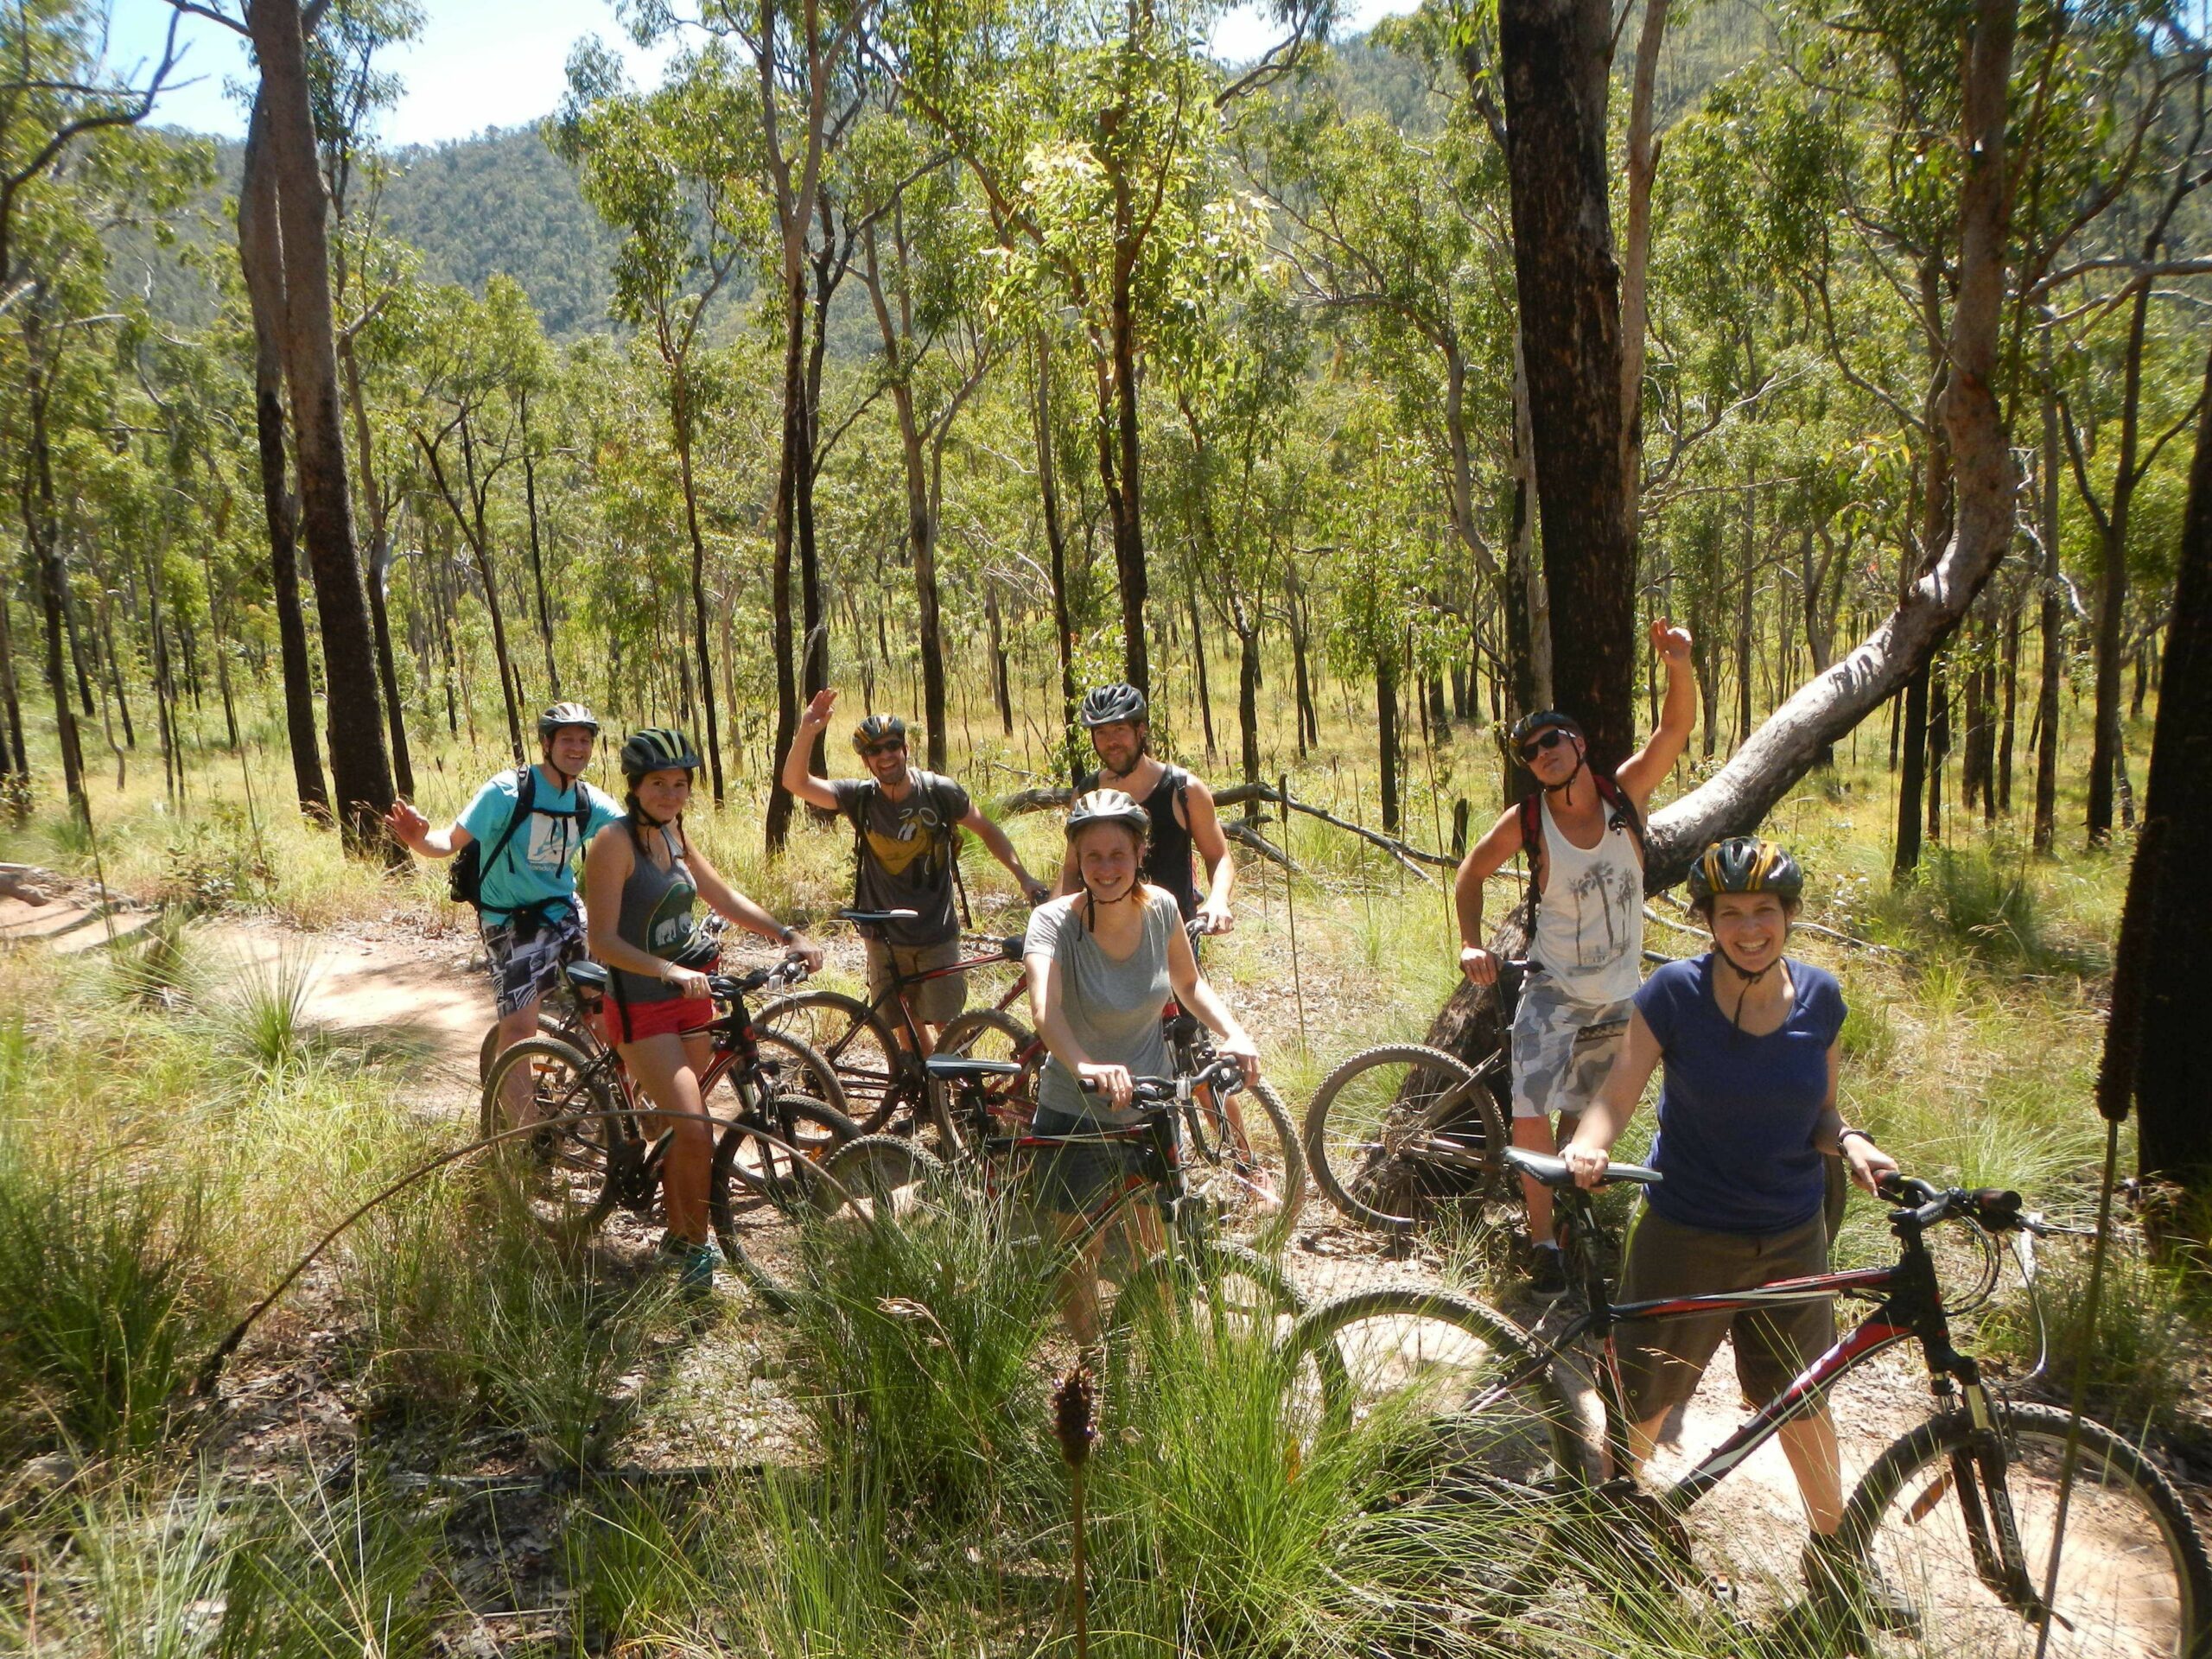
(642, 878)
(1102, 963)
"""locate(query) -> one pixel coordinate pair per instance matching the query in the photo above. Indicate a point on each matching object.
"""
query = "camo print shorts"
(525, 969)
(1562, 1048)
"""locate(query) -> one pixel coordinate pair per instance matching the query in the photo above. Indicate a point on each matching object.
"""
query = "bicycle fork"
(1978, 1475)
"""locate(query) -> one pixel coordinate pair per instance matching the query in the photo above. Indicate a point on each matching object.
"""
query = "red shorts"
(655, 1019)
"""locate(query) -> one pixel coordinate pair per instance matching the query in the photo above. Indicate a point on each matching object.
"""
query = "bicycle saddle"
(1552, 1172)
(953, 1069)
(587, 975)
(867, 916)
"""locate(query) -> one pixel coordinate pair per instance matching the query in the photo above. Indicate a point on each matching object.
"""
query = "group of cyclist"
(1747, 1037)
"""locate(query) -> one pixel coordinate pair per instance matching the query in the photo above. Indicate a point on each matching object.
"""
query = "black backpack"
(465, 882)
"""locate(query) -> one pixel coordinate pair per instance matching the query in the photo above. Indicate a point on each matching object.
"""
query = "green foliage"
(1988, 903)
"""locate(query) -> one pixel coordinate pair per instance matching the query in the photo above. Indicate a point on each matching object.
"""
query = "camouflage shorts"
(1562, 1048)
(524, 970)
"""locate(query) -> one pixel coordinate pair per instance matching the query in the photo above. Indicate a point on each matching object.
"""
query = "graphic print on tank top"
(1605, 900)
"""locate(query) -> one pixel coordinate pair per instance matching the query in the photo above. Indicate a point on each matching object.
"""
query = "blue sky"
(480, 63)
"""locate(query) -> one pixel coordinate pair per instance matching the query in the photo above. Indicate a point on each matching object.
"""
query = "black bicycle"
(593, 1152)
(1962, 1514)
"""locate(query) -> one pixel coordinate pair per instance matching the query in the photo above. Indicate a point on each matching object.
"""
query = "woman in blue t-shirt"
(1747, 1115)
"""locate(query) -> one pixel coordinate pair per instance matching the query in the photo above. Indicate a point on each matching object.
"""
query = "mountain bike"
(1236, 1287)
(1962, 1513)
(593, 1152)
(792, 1066)
(1401, 1132)
(876, 1047)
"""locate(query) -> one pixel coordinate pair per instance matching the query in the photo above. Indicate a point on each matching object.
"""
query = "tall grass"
(1992, 906)
(328, 1573)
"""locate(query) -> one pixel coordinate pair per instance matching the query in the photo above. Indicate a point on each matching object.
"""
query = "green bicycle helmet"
(562, 715)
(658, 748)
(1108, 806)
(1744, 864)
(876, 730)
(1110, 705)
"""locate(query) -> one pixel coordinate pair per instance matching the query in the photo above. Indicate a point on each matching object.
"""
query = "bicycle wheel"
(762, 1178)
(1398, 1132)
(563, 1173)
(792, 1066)
(2132, 1580)
(561, 1027)
(1231, 1300)
(1479, 1407)
(1260, 1198)
(855, 1040)
(989, 1034)
(875, 1175)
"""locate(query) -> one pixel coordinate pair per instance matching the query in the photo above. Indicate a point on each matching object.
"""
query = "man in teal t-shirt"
(531, 920)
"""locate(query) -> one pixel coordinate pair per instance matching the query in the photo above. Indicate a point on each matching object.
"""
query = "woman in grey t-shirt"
(1102, 963)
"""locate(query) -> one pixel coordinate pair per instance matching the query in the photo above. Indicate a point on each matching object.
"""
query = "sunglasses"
(1552, 739)
(875, 749)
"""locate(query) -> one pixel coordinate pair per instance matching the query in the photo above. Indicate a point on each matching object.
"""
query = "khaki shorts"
(1562, 1048)
(1661, 1360)
(934, 1001)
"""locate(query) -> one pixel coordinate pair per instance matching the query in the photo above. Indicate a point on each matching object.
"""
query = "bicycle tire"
(2133, 1577)
(853, 1037)
(989, 1034)
(549, 1025)
(564, 1177)
(756, 1187)
(1229, 1293)
(1262, 1205)
(1470, 1389)
(881, 1172)
(793, 1066)
(1358, 1125)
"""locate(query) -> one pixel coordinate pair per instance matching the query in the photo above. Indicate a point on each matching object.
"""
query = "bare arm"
(1484, 859)
(607, 863)
(412, 831)
(1644, 772)
(988, 831)
(1206, 834)
(727, 900)
(1193, 991)
(1604, 1118)
(1869, 1164)
(798, 776)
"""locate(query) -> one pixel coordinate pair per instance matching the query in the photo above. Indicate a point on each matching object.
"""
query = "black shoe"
(1848, 1582)
(1546, 1273)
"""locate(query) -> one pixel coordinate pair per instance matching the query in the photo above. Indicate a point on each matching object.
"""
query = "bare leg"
(1810, 1444)
(668, 1068)
(514, 1090)
(1535, 1135)
(1078, 1293)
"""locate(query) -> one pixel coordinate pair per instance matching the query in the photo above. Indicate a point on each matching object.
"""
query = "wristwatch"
(1847, 1132)
(784, 936)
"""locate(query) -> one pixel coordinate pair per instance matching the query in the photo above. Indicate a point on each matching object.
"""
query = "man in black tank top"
(1179, 805)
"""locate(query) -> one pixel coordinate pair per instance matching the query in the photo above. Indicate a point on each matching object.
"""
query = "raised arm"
(1643, 772)
(798, 776)
(1604, 1118)
(412, 831)
(726, 900)
(987, 830)
(1484, 859)
(1207, 835)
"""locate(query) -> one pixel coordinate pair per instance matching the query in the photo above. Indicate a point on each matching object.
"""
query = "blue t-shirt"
(1736, 1112)
(536, 866)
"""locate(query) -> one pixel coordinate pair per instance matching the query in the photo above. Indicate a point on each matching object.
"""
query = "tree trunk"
(1643, 164)
(360, 767)
(1048, 487)
(681, 413)
(34, 488)
(2111, 584)
(1386, 735)
(2012, 707)
(536, 553)
(379, 570)
(1002, 693)
(1199, 660)
(1555, 55)
(1248, 698)
(2051, 629)
(261, 261)
(2154, 1049)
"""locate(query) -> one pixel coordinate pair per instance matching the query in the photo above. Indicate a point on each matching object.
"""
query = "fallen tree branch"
(21, 881)
(1039, 800)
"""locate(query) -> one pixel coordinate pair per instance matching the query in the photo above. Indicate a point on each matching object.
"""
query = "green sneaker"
(694, 1264)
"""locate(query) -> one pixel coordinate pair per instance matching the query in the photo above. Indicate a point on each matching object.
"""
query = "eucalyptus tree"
(676, 172)
(1094, 133)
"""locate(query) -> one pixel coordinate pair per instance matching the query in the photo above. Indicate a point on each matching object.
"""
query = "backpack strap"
(1532, 849)
(1621, 813)
(526, 797)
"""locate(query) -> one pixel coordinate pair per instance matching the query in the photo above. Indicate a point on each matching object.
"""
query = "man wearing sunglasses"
(1583, 835)
(907, 825)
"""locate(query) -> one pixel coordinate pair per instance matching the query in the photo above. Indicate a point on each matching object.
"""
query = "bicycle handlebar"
(1994, 1210)
(730, 988)
(1223, 1075)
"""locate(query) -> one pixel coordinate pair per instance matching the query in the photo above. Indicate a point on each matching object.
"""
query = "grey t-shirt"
(1112, 1008)
(907, 852)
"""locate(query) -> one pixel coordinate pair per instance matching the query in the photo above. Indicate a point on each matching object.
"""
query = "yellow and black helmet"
(1744, 864)
(658, 748)
(876, 730)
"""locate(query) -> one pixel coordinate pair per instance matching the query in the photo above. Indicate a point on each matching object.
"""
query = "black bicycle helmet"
(566, 713)
(1109, 705)
(1744, 864)
(876, 730)
(1543, 719)
(1108, 806)
(658, 748)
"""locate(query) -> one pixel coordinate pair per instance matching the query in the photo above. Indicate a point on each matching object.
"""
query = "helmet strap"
(1750, 977)
(568, 779)
(1567, 785)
